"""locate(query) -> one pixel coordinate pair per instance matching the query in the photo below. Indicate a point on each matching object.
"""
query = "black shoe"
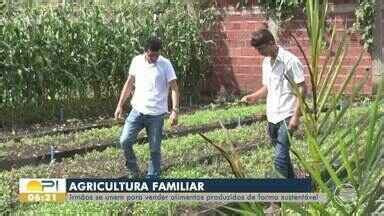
(131, 175)
(273, 174)
(123, 177)
(152, 177)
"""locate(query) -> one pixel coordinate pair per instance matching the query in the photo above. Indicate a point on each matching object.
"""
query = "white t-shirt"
(281, 100)
(151, 84)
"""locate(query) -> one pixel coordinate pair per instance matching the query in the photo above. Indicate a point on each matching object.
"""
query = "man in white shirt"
(152, 75)
(283, 110)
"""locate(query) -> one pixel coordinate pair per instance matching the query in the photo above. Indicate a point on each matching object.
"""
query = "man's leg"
(282, 161)
(273, 134)
(154, 127)
(273, 129)
(133, 125)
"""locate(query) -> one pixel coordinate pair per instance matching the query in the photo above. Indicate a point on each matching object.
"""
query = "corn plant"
(53, 56)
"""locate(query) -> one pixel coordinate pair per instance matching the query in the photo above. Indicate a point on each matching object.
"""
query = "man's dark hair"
(153, 44)
(261, 37)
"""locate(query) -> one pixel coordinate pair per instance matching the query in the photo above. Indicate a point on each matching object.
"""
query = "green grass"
(110, 163)
(256, 162)
(232, 112)
(30, 146)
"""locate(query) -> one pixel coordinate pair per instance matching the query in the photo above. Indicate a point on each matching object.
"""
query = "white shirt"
(281, 100)
(151, 84)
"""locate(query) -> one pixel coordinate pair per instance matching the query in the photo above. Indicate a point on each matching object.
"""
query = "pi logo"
(43, 186)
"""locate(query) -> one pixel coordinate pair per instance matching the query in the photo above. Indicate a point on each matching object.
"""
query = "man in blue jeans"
(152, 75)
(283, 108)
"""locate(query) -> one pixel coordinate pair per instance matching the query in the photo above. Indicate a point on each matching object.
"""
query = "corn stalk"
(66, 55)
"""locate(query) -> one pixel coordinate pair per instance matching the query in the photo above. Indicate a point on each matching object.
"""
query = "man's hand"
(118, 113)
(173, 118)
(123, 96)
(294, 123)
(247, 99)
(252, 98)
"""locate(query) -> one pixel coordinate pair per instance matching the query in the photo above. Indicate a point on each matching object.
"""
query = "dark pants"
(279, 138)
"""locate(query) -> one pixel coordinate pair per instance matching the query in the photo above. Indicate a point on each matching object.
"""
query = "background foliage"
(50, 62)
(52, 56)
(281, 9)
(365, 21)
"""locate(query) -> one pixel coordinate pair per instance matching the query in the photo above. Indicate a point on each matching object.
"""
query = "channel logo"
(42, 190)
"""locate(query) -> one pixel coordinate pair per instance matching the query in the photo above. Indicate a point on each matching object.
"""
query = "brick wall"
(237, 65)
(379, 39)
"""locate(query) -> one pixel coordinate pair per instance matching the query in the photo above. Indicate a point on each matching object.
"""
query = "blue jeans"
(279, 139)
(134, 123)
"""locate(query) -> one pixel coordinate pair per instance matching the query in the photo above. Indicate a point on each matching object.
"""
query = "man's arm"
(127, 89)
(294, 122)
(252, 98)
(175, 102)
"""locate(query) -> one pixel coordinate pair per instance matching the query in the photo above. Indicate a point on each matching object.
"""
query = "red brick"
(366, 61)
(245, 69)
(254, 25)
(250, 75)
(356, 51)
(236, 59)
(250, 86)
(233, 52)
(238, 35)
(355, 37)
(296, 51)
(228, 26)
(235, 43)
(249, 51)
(247, 60)
(231, 35)
(359, 70)
(250, 80)
(257, 18)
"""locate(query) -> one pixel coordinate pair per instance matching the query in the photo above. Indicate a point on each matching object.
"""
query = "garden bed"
(77, 125)
(201, 161)
(20, 157)
(110, 163)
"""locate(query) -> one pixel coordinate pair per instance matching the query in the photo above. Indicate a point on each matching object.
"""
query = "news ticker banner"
(204, 190)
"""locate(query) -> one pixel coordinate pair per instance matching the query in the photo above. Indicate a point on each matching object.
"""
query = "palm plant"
(340, 158)
(232, 156)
